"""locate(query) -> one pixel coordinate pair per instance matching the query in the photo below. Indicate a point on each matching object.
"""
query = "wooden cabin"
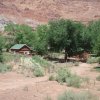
(21, 49)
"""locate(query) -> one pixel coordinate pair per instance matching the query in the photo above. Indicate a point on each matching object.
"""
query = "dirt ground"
(14, 86)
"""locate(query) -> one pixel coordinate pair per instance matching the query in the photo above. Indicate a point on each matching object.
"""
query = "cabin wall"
(23, 50)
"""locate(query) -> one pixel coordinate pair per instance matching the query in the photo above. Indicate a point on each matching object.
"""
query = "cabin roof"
(18, 46)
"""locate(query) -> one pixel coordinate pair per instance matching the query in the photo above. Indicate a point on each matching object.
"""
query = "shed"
(21, 49)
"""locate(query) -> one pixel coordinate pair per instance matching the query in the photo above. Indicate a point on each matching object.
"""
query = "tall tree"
(1, 47)
(93, 31)
(65, 34)
(41, 41)
(21, 34)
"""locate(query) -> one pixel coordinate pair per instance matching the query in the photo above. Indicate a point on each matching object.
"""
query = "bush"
(8, 57)
(91, 60)
(62, 74)
(4, 68)
(97, 68)
(48, 98)
(74, 81)
(76, 64)
(70, 95)
(98, 78)
(51, 78)
(38, 72)
(44, 63)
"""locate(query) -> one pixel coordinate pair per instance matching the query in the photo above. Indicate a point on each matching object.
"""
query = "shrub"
(44, 63)
(91, 60)
(7, 57)
(99, 60)
(97, 68)
(38, 72)
(51, 78)
(62, 74)
(48, 98)
(98, 78)
(76, 64)
(74, 81)
(70, 95)
(4, 68)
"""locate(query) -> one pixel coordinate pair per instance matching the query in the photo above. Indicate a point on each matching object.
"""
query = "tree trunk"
(66, 55)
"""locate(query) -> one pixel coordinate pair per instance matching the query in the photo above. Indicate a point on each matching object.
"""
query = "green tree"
(21, 34)
(65, 35)
(93, 31)
(1, 47)
(41, 40)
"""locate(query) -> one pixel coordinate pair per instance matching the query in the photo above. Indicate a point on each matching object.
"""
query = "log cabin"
(21, 49)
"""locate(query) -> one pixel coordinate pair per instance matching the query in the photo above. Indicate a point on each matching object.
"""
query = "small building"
(21, 49)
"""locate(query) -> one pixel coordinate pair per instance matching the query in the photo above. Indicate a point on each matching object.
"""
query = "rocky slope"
(34, 12)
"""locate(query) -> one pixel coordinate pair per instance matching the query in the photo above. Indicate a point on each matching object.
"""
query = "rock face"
(41, 11)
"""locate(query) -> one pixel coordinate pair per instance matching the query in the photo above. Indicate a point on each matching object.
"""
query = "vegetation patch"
(97, 68)
(91, 60)
(76, 64)
(70, 95)
(38, 72)
(64, 75)
(98, 78)
(4, 68)
(8, 57)
(42, 62)
(52, 78)
(74, 81)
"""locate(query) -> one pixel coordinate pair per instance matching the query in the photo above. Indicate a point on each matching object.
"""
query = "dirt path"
(85, 70)
(13, 80)
(15, 86)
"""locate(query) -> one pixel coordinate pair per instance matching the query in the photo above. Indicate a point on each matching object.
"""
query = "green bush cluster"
(70, 95)
(98, 78)
(97, 68)
(91, 60)
(38, 72)
(51, 78)
(76, 64)
(4, 68)
(65, 76)
(42, 62)
(74, 81)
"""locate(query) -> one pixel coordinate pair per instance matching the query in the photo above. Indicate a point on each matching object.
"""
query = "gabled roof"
(18, 46)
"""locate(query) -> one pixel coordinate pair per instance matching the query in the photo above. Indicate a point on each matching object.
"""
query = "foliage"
(41, 41)
(70, 95)
(91, 60)
(76, 63)
(2, 43)
(98, 78)
(74, 81)
(65, 35)
(57, 35)
(21, 34)
(42, 62)
(93, 30)
(8, 57)
(48, 98)
(51, 78)
(38, 71)
(4, 68)
(97, 68)
(63, 74)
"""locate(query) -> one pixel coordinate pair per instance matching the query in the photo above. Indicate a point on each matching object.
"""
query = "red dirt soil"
(45, 10)
(14, 86)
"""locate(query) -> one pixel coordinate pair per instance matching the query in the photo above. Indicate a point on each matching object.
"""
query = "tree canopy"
(58, 35)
